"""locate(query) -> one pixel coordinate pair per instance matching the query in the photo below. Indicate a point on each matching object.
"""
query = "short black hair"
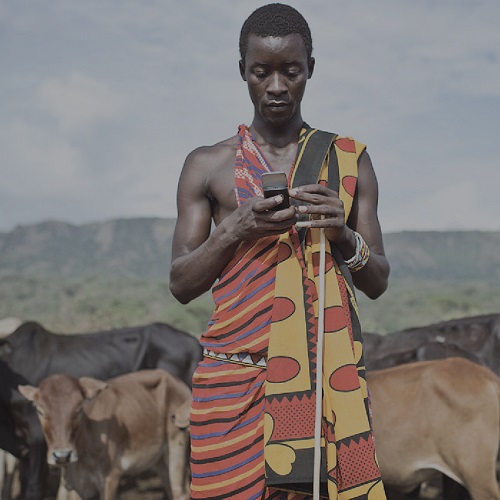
(275, 19)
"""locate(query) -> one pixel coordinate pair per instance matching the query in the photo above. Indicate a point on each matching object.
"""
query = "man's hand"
(325, 209)
(255, 219)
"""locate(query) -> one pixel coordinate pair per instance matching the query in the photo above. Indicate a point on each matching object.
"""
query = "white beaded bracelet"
(361, 255)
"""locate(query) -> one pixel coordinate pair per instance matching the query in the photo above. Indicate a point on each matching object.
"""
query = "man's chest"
(223, 180)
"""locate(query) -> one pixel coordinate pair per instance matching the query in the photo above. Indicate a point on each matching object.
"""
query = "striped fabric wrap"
(252, 427)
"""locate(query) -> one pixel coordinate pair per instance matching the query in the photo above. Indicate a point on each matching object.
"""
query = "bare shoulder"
(209, 172)
(367, 180)
(208, 157)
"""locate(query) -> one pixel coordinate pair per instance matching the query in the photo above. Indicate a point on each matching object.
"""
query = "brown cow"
(441, 415)
(99, 431)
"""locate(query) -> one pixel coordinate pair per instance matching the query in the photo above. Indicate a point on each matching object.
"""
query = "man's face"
(276, 70)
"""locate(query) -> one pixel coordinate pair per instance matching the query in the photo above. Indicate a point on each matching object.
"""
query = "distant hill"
(450, 256)
(141, 248)
(135, 248)
(115, 273)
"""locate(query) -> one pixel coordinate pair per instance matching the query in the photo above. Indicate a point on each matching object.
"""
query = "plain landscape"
(76, 278)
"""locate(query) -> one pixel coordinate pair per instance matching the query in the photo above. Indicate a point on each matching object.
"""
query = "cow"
(97, 431)
(440, 416)
(476, 338)
(9, 477)
(32, 353)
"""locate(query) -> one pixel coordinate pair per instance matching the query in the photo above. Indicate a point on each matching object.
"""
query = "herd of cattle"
(107, 404)
(97, 431)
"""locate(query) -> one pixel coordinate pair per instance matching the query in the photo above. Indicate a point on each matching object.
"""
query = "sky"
(101, 101)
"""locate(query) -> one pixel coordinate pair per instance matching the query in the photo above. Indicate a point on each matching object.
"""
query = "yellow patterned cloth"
(349, 468)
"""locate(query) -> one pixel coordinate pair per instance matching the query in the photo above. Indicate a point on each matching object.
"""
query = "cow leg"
(110, 489)
(64, 494)
(178, 465)
(162, 471)
(11, 487)
(480, 489)
(478, 467)
(175, 480)
(66, 490)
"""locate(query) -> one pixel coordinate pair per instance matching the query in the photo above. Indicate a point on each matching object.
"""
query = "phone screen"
(274, 183)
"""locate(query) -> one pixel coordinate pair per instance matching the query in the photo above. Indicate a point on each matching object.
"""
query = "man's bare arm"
(199, 255)
(373, 278)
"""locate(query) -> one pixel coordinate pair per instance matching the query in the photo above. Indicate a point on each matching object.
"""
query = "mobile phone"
(274, 183)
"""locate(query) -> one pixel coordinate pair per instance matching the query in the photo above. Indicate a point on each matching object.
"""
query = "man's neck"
(276, 136)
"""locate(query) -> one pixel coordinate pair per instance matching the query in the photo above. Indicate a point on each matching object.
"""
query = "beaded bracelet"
(361, 255)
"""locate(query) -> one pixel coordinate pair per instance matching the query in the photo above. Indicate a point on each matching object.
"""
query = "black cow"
(32, 353)
(476, 338)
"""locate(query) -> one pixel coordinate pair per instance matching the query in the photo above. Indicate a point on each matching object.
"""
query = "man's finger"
(267, 203)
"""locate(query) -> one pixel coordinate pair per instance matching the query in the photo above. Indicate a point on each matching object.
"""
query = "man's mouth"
(277, 104)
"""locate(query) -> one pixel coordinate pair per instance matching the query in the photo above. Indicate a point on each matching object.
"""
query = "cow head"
(59, 401)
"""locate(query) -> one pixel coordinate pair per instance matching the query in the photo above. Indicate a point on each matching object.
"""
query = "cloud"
(37, 161)
(77, 101)
(101, 104)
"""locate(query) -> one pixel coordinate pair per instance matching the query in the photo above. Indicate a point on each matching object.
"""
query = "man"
(252, 420)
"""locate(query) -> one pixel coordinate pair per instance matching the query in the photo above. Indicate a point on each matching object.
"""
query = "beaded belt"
(242, 358)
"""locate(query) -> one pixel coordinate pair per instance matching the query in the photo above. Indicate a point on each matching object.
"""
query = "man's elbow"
(380, 284)
(179, 294)
(184, 290)
(376, 291)
(181, 290)
(178, 288)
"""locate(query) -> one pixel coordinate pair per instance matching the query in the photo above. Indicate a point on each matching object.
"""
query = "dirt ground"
(147, 486)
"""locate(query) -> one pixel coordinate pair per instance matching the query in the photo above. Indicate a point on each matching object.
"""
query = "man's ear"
(310, 66)
(242, 69)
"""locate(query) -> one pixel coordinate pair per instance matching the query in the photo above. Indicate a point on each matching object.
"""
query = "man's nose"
(276, 85)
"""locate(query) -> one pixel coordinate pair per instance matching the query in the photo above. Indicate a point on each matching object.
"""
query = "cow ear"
(28, 391)
(91, 386)
(5, 347)
(181, 416)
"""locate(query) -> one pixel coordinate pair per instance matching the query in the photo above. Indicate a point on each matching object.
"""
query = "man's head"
(275, 20)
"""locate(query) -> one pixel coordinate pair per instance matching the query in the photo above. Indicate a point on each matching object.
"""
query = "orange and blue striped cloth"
(253, 397)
